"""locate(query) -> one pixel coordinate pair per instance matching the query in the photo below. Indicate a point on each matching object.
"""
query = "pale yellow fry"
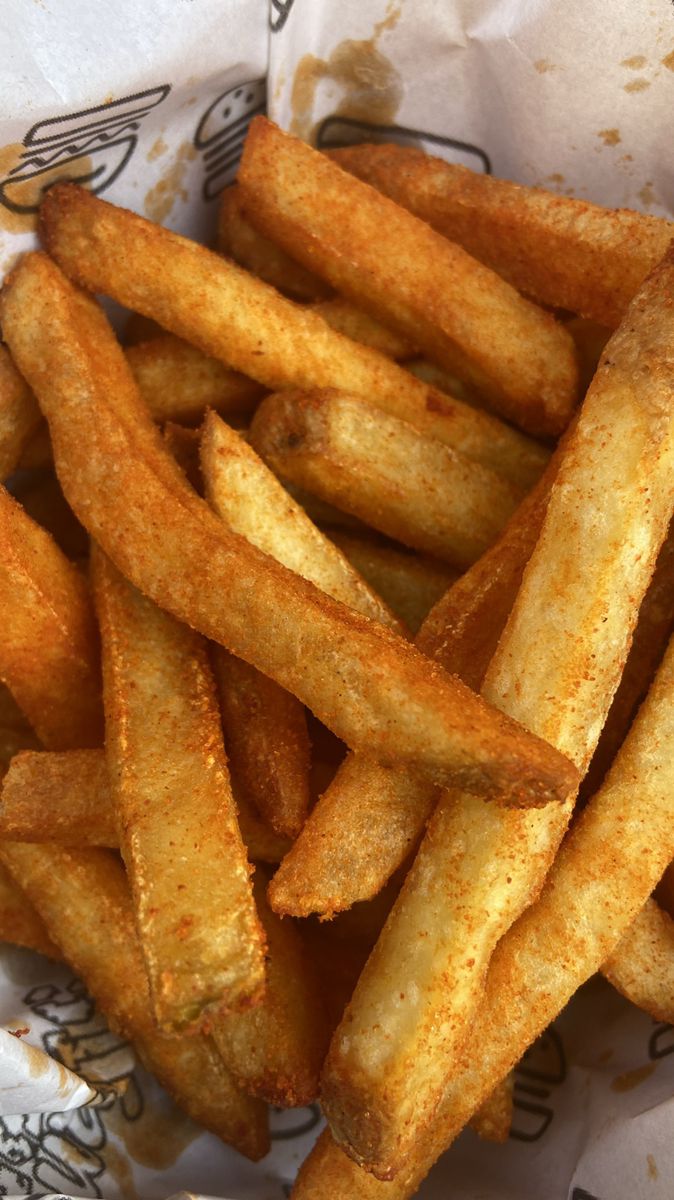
(19, 415)
(641, 966)
(252, 502)
(230, 315)
(20, 924)
(363, 328)
(83, 898)
(565, 252)
(189, 875)
(556, 668)
(178, 382)
(48, 650)
(380, 256)
(384, 471)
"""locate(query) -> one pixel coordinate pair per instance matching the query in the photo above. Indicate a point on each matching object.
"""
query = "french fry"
(641, 966)
(564, 252)
(383, 258)
(48, 647)
(66, 798)
(19, 415)
(232, 316)
(276, 1050)
(383, 471)
(557, 666)
(493, 1119)
(16, 733)
(267, 742)
(188, 871)
(358, 325)
(83, 898)
(252, 502)
(371, 817)
(40, 495)
(20, 924)
(409, 583)
(178, 382)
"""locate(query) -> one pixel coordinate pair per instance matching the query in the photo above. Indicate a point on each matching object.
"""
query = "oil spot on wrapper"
(668, 61)
(543, 66)
(647, 195)
(632, 1079)
(637, 85)
(118, 1167)
(637, 62)
(610, 137)
(159, 1135)
(162, 196)
(157, 149)
(651, 1166)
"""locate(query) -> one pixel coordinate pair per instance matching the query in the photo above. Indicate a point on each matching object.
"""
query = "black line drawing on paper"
(286, 1124)
(221, 132)
(542, 1069)
(345, 131)
(661, 1041)
(279, 12)
(581, 1194)
(91, 147)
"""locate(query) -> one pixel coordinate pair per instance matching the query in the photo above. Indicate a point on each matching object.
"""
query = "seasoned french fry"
(19, 415)
(557, 666)
(382, 470)
(16, 733)
(188, 871)
(382, 257)
(48, 647)
(83, 898)
(409, 583)
(239, 240)
(66, 798)
(641, 966)
(39, 493)
(248, 497)
(493, 1119)
(564, 252)
(19, 922)
(234, 317)
(276, 1050)
(267, 742)
(361, 327)
(178, 382)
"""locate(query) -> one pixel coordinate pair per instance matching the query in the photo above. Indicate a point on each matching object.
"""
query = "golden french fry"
(409, 583)
(19, 922)
(276, 1050)
(358, 325)
(40, 495)
(641, 966)
(564, 252)
(557, 666)
(178, 382)
(493, 1119)
(188, 871)
(267, 742)
(232, 316)
(252, 502)
(380, 256)
(19, 415)
(48, 646)
(83, 898)
(383, 471)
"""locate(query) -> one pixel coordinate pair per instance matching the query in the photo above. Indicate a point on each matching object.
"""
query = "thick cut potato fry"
(276, 1050)
(178, 382)
(252, 502)
(20, 924)
(641, 966)
(232, 316)
(409, 583)
(493, 1119)
(564, 252)
(363, 328)
(66, 798)
(383, 471)
(371, 817)
(267, 742)
(48, 643)
(369, 686)
(83, 898)
(19, 415)
(239, 240)
(189, 875)
(380, 256)
(557, 666)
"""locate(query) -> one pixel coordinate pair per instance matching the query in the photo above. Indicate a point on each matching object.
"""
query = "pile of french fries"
(312, 635)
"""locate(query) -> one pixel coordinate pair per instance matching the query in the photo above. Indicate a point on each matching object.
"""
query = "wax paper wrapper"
(148, 106)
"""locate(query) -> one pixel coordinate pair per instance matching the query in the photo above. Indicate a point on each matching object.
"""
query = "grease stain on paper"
(668, 61)
(632, 1079)
(636, 63)
(652, 1167)
(372, 87)
(28, 191)
(158, 1137)
(157, 149)
(118, 1166)
(637, 85)
(647, 195)
(543, 65)
(160, 199)
(610, 137)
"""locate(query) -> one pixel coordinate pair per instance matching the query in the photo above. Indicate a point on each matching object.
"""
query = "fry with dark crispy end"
(83, 898)
(48, 647)
(556, 668)
(384, 471)
(276, 1050)
(493, 1119)
(178, 382)
(564, 252)
(641, 966)
(187, 866)
(19, 415)
(20, 924)
(232, 316)
(267, 742)
(382, 257)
